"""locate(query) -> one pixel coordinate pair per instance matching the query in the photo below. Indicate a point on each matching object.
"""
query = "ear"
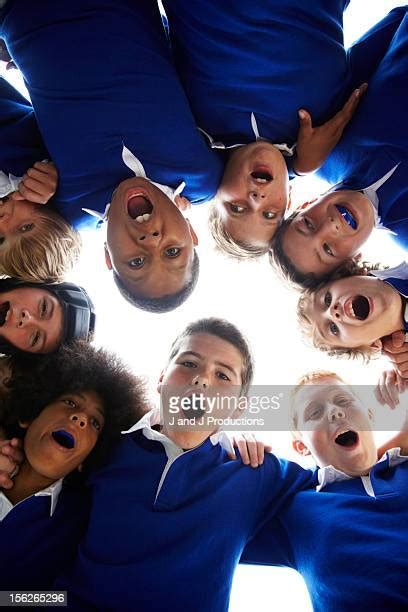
(193, 234)
(108, 260)
(159, 384)
(182, 203)
(300, 448)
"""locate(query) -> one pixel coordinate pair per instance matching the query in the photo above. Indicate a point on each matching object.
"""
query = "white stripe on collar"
(8, 184)
(133, 163)
(52, 491)
(329, 474)
(371, 193)
(147, 422)
(283, 147)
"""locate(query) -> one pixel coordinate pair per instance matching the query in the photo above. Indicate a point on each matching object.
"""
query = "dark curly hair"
(39, 380)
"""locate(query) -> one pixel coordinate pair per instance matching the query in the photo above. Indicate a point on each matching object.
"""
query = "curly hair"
(309, 329)
(39, 380)
(226, 244)
(220, 328)
(44, 254)
(166, 303)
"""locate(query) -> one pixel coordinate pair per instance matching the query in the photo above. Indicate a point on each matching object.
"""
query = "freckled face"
(254, 193)
(335, 427)
(150, 245)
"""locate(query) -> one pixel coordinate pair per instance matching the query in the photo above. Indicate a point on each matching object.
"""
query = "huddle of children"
(86, 485)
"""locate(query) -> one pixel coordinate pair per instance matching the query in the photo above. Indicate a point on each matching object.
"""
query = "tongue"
(138, 205)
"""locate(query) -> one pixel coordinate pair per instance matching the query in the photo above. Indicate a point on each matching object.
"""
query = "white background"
(248, 295)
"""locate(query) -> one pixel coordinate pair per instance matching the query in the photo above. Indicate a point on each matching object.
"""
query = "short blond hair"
(311, 334)
(226, 244)
(315, 377)
(44, 254)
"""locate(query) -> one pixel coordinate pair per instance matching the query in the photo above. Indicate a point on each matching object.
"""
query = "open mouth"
(64, 438)
(194, 405)
(347, 438)
(4, 311)
(361, 307)
(261, 176)
(139, 208)
(347, 216)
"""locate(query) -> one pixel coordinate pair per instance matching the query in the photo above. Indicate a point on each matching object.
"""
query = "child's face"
(64, 433)
(254, 193)
(31, 319)
(328, 231)
(334, 427)
(354, 311)
(204, 365)
(16, 217)
(150, 245)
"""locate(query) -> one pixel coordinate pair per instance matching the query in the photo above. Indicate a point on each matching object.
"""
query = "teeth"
(261, 180)
(7, 315)
(142, 218)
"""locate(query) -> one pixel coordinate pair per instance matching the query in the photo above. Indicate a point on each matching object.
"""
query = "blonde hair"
(226, 244)
(311, 378)
(44, 254)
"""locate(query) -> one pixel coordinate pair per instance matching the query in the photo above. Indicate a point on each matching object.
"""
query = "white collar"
(329, 474)
(371, 193)
(133, 163)
(283, 147)
(52, 491)
(400, 271)
(8, 184)
(147, 422)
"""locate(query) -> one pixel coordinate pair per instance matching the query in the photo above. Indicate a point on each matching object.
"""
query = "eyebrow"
(218, 363)
(78, 394)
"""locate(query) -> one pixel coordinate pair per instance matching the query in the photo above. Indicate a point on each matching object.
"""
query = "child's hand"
(11, 456)
(315, 143)
(396, 349)
(389, 388)
(38, 185)
(252, 451)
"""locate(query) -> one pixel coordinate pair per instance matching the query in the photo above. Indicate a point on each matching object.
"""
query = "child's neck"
(27, 483)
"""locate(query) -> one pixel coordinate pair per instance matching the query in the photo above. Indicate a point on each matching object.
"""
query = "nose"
(24, 318)
(81, 420)
(336, 311)
(332, 225)
(256, 197)
(201, 381)
(336, 413)
(150, 237)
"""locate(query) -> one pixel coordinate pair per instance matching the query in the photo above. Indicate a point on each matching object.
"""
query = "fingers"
(341, 119)
(395, 342)
(13, 453)
(305, 122)
(5, 481)
(38, 185)
(387, 391)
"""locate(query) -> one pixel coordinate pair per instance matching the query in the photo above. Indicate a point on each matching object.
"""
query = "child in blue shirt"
(116, 122)
(247, 72)
(80, 400)
(37, 244)
(348, 536)
(169, 502)
(350, 315)
(368, 168)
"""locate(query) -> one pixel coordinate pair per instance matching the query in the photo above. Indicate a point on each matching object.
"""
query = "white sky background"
(250, 296)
